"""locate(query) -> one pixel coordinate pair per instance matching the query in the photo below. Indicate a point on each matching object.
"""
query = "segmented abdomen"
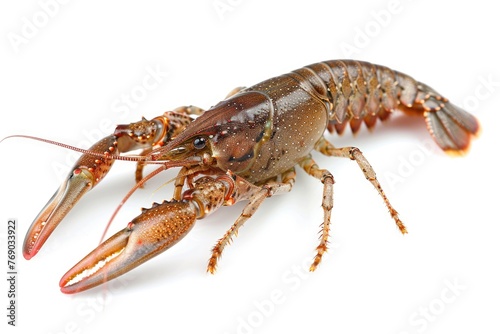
(357, 92)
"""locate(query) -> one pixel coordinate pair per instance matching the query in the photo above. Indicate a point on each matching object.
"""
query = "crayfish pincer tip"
(28, 255)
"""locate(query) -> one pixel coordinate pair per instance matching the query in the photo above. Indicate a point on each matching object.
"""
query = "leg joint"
(353, 152)
(269, 189)
(327, 175)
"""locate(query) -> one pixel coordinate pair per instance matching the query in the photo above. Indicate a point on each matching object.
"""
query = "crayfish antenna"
(127, 196)
(82, 150)
(86, 174)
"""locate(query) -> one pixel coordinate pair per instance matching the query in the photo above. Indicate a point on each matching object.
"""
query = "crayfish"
(245, 148)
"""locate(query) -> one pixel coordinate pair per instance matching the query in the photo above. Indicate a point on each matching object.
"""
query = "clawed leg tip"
(401, 226)
(211, 268)
(315, 264)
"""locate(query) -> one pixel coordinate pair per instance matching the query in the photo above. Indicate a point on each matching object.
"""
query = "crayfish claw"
(68, 194)
(86, 173)
(149, 234)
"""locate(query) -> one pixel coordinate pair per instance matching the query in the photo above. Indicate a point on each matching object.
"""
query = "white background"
(67, 79)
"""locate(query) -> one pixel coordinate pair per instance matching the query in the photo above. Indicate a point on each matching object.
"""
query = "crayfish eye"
(199, 143)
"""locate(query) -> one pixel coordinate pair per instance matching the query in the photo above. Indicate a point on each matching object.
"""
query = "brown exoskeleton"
(246, 148)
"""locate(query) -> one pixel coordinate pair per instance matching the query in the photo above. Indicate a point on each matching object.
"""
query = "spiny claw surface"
(146, 236)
